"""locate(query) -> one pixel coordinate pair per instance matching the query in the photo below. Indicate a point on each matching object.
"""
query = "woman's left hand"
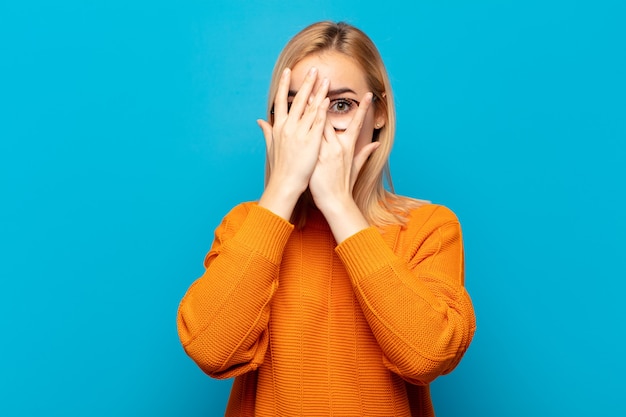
(338, 166)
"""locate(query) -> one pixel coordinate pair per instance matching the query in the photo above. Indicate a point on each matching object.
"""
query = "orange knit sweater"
(309, 327)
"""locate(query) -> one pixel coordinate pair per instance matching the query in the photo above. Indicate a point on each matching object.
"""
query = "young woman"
(330, 295)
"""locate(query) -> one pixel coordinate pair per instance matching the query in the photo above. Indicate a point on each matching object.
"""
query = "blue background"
(127, 130)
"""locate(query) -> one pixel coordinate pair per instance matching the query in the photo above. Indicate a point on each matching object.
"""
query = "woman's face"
(347, 88)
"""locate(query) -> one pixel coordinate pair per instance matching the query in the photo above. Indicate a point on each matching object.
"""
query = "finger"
(329, 131)
(280, 101)
(320, 121)
(360, 159)
(267, 133)
(357, 121)
(314, 104)
(302, 96)
(364, 154)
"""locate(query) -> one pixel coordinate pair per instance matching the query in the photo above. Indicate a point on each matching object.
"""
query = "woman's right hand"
(293, 142)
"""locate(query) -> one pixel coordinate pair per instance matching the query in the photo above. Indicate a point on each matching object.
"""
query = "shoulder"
(251, 214)
(410, 212)
(241, 209)
(435, 214)
(425, 219)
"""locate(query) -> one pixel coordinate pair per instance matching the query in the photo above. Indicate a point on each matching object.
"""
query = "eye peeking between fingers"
(337, 107)
(343, 106)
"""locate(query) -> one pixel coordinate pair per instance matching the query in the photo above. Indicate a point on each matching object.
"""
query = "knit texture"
(308, 327)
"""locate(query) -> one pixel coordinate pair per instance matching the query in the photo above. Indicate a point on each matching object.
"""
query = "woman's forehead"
(341, 70)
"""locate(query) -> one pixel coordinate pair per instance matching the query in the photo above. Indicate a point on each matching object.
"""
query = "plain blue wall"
(127, 130)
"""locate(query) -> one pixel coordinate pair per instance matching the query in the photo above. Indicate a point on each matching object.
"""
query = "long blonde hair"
(379, 206)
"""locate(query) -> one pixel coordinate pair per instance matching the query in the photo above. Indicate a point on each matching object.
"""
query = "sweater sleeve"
(414, 297)
(222, 319)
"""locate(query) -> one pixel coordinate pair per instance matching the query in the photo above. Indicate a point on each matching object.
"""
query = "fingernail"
(285, 72)
(368, 97)
(312, 71)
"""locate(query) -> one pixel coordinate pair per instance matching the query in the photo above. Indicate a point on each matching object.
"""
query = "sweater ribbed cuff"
(364, 253)
(265, 233)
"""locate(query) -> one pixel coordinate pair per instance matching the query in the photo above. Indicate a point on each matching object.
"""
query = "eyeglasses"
(340, 111)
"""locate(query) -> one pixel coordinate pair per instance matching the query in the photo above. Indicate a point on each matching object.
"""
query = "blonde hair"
(379, 206)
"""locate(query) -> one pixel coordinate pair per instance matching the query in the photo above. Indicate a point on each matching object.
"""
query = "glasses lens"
(341, 111)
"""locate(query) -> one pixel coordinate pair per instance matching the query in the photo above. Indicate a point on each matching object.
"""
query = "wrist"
(280, 198)
(344, 218)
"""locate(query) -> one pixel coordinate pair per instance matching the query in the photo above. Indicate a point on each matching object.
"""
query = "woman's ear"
(381, 117)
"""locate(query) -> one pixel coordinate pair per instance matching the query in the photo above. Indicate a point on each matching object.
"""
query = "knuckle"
(288, 131)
